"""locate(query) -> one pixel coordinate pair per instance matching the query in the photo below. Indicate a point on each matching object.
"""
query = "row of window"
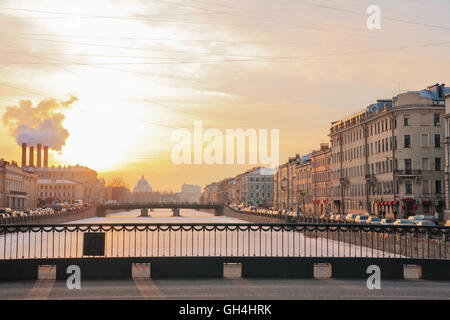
(385, 145)
(263, 186)
(267, 179)
(424, 140)
(57, 194)
(13, 185)
(57, 187)
(382, 126)
(386, 188)
(387, 166)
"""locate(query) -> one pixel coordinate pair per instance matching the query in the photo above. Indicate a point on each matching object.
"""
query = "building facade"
(256, 187)
(189, 193)
(92, 187)
(321, 180)
(285, 184)
(304, 182)
(388, 159)
(209, 193)
(18, 187)
(447, 157)
(59, 190)
(303, 190)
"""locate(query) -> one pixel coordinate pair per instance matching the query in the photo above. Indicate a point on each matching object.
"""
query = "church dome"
(142, 186)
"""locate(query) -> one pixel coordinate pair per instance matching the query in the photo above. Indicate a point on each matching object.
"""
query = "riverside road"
(226, 289)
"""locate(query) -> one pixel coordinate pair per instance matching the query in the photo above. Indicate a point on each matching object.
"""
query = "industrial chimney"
(45, 157)
(39, 152)
(31, 164)
(24, 154)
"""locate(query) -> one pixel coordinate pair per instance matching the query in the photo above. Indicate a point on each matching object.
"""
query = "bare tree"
(117, 182)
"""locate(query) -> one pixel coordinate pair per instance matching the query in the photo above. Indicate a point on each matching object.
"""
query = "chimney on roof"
(45, 157)
(39, 152)
(31, 164)
(24, 154)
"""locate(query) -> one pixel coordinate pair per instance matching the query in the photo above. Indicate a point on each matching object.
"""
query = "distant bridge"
(175, 206)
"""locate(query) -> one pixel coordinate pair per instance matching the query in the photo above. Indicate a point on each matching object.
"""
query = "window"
(407, 141)
(408, 166)
(437, 164)
(424, 139)
(425, 187)
(437, 140)
(406, 120)
(436, 120)
(408, 187)
(438, 186)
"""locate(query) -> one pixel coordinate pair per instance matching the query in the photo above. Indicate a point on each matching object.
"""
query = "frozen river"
(168, 238)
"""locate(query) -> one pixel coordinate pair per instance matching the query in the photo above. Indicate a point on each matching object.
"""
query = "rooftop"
(436, 93)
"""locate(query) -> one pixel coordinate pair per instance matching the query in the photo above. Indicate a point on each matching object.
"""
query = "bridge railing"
(223, 240)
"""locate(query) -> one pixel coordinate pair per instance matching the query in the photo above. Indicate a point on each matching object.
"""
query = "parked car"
(351, 217)
(361, 219)
(387, 221)
(373, 220)
(426, 223)
(403, 222)
(416, 218)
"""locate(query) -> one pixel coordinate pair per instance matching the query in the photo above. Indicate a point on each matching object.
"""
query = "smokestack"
(31, 164)
(24, 154)
(39, 146)
(45, 157)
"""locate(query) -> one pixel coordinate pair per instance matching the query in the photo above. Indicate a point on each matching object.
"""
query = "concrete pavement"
(225, 289)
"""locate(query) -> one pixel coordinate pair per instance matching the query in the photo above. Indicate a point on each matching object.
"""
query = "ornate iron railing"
(282, 240)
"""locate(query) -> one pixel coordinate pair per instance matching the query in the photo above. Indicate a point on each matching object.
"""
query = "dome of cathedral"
(142, 186)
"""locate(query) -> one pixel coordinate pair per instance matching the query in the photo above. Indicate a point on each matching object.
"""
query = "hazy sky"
(143, 68)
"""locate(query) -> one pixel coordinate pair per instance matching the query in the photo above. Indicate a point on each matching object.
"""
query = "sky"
(141, 69)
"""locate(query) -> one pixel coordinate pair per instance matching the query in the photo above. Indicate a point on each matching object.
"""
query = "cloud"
(41, 124)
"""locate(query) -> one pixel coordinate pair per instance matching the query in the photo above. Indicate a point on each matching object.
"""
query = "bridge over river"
(199, 244)
(174, 206)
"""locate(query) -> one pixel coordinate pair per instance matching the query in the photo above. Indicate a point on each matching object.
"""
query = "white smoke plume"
(41, 124)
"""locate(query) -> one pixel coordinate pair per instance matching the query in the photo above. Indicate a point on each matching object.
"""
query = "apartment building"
(321, 179)
(256, 187)
(447, 157)
(226, 190)
(303, 189)
(17, 187)
(388, 159)
(209, 193)
(285, 184)
(93, 187)
(59, 190)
